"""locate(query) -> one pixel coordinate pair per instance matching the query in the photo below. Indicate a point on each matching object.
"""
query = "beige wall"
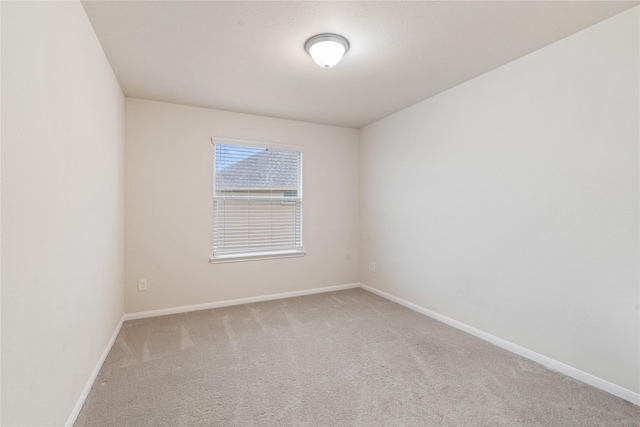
(62, 210)
(510, 203)
(169, 207)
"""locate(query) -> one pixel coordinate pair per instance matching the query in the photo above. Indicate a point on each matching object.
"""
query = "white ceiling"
(249, 57)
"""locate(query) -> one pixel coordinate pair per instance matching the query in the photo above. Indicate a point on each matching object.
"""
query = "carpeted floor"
(347, 358)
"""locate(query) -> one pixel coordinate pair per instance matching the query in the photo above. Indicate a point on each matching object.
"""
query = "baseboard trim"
(552, 364)
(228, 303)
(87, 388)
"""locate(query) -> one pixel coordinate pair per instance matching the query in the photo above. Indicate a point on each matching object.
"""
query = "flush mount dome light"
(327, 49)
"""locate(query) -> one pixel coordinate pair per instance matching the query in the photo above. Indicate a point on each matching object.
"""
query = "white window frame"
(249, 256)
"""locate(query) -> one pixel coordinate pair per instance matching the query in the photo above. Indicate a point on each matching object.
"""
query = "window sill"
(256, 256)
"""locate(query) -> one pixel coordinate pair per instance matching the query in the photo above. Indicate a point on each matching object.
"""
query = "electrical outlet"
(142, 285)
(373, 267)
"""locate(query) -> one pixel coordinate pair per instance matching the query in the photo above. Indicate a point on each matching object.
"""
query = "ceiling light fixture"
(327, 49)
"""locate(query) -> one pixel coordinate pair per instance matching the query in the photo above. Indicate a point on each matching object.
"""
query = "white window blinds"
(257, 201)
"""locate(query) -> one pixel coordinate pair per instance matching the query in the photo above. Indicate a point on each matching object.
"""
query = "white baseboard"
(552, 364)
(227, 303)
(87, 388)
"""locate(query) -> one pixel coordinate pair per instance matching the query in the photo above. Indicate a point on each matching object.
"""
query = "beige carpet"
(346, 358)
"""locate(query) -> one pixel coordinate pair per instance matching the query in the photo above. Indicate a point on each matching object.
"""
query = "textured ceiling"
(249, 56)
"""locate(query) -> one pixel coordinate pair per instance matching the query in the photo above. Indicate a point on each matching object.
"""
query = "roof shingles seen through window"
(268, 169)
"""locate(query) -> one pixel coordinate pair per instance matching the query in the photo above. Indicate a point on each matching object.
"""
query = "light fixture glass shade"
(326, 49)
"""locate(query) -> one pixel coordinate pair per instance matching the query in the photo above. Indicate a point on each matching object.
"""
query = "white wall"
(510, 202)
(169, 207)
(62, 210)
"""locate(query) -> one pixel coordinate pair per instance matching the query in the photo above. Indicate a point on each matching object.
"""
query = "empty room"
(309, 213)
